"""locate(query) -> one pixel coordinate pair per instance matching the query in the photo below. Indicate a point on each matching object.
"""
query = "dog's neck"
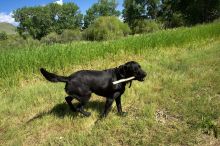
(118, 73)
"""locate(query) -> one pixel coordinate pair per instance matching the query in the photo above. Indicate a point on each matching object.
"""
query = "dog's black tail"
(52, 77)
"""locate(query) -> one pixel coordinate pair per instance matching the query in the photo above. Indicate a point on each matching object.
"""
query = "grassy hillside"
(178, 104)
(7, 27)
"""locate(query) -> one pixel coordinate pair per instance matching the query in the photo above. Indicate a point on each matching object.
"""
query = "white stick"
(123, 80)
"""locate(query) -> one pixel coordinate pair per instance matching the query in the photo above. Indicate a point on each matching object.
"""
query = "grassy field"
(178, 104)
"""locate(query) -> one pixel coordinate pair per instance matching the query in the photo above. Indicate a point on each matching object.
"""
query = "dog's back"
(98, 82)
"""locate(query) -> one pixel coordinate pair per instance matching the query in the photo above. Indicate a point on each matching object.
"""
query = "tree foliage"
(199, 11)
(140, 15)
(40, 21)
(140, 9)
(188, 12)
(172, 13)
(101, 8)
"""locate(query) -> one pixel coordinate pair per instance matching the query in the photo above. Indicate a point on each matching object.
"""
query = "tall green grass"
(178, 104)
(22, 62)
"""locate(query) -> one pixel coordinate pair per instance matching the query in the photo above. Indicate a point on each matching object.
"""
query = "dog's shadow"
(62, 110)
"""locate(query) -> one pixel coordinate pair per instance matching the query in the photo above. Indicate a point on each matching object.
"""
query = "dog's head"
(132, 68)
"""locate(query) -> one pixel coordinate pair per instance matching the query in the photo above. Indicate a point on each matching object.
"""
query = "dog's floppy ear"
(121, 71)
(128, 67)
(125, 67)
(124, 70)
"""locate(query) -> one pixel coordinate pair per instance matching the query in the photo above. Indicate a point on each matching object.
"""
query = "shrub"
(15, 41)
(177, 20)
(217, 20)
(145, 26)
(106, 28)
(69, 35)
(3, 36)
(51, 38)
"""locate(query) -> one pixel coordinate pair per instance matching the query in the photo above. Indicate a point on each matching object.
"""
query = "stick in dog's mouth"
(123, 80)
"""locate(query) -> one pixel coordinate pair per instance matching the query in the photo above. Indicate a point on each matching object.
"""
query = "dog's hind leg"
(80, 108)
(82, 102)
(108, 105)
(69, 102)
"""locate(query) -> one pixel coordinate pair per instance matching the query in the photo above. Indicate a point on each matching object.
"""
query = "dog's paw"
(123, 114)
(87, 114)
(103, 115)
(73, 109)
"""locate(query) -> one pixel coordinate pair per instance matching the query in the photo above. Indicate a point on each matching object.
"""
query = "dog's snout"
(145, 74)
(141, 75)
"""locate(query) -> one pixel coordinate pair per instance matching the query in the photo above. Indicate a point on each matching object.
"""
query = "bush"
(15, 41)
(106, 28)
(217, 20)
(3, 36)
(145, 26)
(51, 38)
(69, 35)
(176, 20)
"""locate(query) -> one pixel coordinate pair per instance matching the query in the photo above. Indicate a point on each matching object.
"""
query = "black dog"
(81, 84)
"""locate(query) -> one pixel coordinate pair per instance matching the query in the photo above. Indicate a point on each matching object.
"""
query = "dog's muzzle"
(140, 76)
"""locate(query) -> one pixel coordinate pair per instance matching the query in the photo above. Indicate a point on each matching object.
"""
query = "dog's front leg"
(118, 104)
(119, 108)
(109, 102)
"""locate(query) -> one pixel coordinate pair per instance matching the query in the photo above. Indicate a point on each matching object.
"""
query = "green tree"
(66, 16)
(188, 12)
(199, 11)
(132, 11)
(153, 7)
(34, 21)
(135, 10)
(40, 21)
(102, 8)
(170, 15)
